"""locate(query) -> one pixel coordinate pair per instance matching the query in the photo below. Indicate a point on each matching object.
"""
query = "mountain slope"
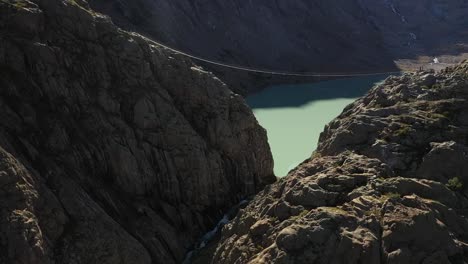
(303, 35)
(388, 184)
(266, 34)
(112, 149)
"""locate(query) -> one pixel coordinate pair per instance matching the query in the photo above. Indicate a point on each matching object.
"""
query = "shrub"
(259, 247)
(300, 215)
(316, 155)
(392, 195)
(403, 131)
(376, 212)
(335, 210)
(384, 197)
(303, 213)
(455, 184)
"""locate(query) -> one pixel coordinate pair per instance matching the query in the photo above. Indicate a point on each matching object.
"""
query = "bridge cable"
(271, 72)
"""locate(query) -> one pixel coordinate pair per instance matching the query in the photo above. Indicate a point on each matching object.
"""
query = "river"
(295, 115)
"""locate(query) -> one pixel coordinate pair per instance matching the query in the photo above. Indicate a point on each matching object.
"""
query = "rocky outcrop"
(387, 184)
(112, 149)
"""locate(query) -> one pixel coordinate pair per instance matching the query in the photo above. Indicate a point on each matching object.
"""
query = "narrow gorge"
(117, 149)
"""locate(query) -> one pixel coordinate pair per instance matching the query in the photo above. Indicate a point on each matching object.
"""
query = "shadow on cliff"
(298, 95)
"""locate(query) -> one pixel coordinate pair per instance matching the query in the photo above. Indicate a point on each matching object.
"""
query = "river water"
(295, 115)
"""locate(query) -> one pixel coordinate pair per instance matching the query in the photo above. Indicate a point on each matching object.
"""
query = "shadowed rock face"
(301, 35)
(280, 35)
(265, 34)
(112, 150)
(386, 185)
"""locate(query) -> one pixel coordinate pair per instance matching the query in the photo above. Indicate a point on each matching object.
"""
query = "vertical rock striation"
(112, 149)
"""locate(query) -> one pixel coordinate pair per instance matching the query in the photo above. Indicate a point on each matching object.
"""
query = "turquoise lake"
(295, 115)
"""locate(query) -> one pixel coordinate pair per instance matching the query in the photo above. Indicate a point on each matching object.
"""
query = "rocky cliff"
(112, 149)
(387, 184)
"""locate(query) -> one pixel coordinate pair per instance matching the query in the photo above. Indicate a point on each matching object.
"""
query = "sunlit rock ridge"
(112, 150)
(387, 184)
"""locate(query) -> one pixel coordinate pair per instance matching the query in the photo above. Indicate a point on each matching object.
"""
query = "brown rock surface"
(112, 149)
(386, 185)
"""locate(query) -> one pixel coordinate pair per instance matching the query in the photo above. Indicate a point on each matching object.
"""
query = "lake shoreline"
(294, 115)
